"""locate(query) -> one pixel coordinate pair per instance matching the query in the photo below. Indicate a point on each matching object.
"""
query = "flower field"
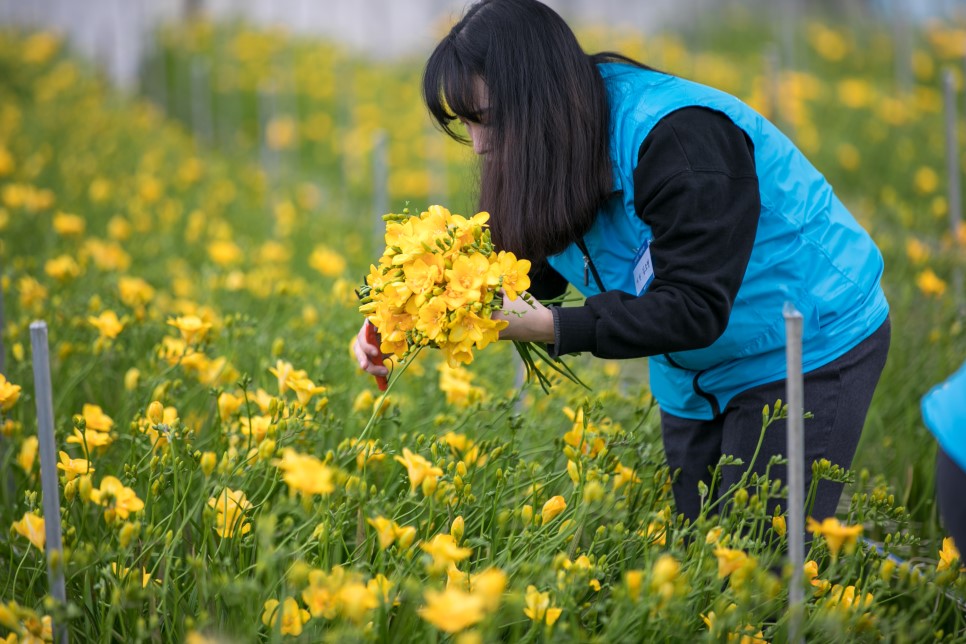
(226, 472)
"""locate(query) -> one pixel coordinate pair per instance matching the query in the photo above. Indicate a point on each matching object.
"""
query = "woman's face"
(477, 130)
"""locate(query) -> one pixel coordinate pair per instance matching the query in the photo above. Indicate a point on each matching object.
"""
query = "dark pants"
(950, 484)
(837, 395)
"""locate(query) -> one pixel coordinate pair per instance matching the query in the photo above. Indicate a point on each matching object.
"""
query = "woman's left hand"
(527, 322)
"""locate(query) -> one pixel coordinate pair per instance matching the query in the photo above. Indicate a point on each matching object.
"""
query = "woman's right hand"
(367, 352)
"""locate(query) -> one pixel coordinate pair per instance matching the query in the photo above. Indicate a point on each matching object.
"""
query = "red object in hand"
(372, 336)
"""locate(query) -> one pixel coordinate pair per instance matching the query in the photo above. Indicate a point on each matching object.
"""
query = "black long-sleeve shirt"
(696, 186)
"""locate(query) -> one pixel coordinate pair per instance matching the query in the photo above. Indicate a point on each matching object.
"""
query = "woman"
(685, 218)
(944, 412)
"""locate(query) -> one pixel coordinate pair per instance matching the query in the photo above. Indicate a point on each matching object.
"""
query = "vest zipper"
(589, 264)
(709, 397)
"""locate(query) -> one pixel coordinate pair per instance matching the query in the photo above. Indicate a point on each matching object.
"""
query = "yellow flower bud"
(156, 413)
(208, 463)
(552, 508)
(457, 528)
(84, 487)
(573, 472)
(593, 492)
(526, 514)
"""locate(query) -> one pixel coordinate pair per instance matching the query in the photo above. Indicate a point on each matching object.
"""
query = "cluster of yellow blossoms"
(437, 284)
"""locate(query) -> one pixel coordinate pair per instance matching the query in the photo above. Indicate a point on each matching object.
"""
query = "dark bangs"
(448, 86)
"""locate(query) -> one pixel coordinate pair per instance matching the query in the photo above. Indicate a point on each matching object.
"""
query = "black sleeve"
(696, 186)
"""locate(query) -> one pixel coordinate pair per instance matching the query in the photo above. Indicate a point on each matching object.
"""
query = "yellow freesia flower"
(230, 507)
(444, 552)
(193, 329)
(107, 324)
(292, 616)
(948, 555)
(837, 535)
(418, 468)
(452, 610)
(9, 393)
(118, 500)
(552, 508)
(96, 419)
(73, 467)
(538, 607)
(32, 526)
(28, 454)
(304, 473)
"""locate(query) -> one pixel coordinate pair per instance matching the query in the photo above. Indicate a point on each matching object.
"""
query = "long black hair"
(547, 167)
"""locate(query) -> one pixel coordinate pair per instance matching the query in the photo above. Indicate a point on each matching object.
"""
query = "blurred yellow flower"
(837, 535)
(624, 475)
(107, 324)
(118, 500)
(134, 291)
(40, 47)
(230, 507)
(68, 225)
(32, 526)
(304, 473)
(418, 468)
(280, 133)
(6, 161)
(62, 268)
(926, 180)
(930, 283)
(193, 329)
(552, 508)
(90, 438)
(28, 454)
(224, 252)
(452, 610)
(538, 606)
(144, 578)
(96, 419)
(292, 615)
(327, 262)
(729, 560)
(228, 404)
(9, 393)
(444, 552)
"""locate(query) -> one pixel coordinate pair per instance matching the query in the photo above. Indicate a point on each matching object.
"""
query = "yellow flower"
(117, 499)
(849, 598)
(729, 560)
(90, 439)
(280, 133)
(948, 555)
(538, 607)
(228, 404)
(930, 283)
(96, 419)
(811, 574)
(28, 454)
(624, 475)
(327, 262)
(73, 467)
(418, 468)
(305, 389)
(511, 274)
(224, 252)
(62, 268)
(9, 393)
(305, 473)
(123, 574)
(778, 525)
(634, 579)
(192, 328)
(452, 610)
(926, 180)
(836, 535)
(107, 324)
(134, 291)
(66, 224)
(230, 508)
(293, 617)
(444, 551)
(285, 373)
(552, 508)
(31, 526)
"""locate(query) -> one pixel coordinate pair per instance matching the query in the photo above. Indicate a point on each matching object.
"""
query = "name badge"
(643, 268)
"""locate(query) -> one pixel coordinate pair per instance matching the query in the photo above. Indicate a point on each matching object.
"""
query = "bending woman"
(685, 218)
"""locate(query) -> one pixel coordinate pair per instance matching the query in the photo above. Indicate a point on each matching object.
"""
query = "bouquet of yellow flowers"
(437, 284)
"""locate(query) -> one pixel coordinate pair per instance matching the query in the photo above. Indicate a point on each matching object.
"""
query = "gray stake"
(48, 467)
(796, 468)
(952, 169)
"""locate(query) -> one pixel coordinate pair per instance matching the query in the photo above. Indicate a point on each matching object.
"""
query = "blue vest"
(944, 412)
(808, 251)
